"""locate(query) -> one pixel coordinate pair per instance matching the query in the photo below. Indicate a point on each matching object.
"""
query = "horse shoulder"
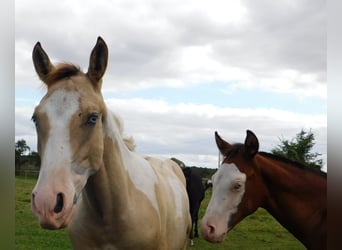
(172, 198)
(171, 183)
(166, 168)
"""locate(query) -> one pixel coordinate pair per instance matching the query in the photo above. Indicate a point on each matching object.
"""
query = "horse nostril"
(211, 229)
(59, 203)
(32, 200)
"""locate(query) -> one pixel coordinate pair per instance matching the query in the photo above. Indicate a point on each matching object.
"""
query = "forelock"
(61, 71)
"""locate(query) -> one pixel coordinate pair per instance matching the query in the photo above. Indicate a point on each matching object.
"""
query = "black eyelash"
(34, 119)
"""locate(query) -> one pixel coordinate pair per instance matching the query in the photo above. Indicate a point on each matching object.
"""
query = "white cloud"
(187, 130)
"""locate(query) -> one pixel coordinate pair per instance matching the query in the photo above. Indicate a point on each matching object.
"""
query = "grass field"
(258, 231)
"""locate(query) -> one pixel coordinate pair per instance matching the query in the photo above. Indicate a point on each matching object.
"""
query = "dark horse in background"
(196, 193)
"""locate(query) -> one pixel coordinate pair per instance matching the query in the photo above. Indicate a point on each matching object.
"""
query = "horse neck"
(111, 181)
(295, 197)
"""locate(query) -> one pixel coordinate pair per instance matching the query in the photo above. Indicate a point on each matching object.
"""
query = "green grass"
(258, 231)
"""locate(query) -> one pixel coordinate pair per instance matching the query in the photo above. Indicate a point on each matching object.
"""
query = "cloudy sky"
(180, 70)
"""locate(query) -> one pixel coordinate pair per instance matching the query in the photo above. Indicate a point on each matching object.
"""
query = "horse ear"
(251, 144)
(222, 145)
(41, 62)
(98, 61)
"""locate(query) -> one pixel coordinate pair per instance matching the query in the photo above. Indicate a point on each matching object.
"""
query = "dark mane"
(293, 163)
(238, 146)
(62, 71)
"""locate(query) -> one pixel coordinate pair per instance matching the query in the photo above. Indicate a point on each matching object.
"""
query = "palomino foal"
(90, 181)
(293, 194)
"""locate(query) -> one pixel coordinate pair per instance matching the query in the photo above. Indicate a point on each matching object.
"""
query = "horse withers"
(295, 195)
(91, 180)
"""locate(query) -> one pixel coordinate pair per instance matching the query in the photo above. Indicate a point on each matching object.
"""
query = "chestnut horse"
(91, 180)
(295, 195)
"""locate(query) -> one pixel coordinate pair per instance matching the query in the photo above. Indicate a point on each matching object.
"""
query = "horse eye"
(92, 119)
(236, 186)
(34, 119)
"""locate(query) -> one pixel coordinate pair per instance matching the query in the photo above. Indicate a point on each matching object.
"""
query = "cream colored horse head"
(69, 122)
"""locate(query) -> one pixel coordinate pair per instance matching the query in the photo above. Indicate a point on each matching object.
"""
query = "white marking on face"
(59, 107)
(57, 174)
(228, 190)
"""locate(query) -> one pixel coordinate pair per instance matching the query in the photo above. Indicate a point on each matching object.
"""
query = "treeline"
(206, 172)
(298, 149)
(26, 161)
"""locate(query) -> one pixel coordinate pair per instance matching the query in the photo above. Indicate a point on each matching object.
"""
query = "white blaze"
(59, 108)
(225, 198)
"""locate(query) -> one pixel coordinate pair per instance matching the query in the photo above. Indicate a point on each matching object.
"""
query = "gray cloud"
(147, 41)
(165, 129)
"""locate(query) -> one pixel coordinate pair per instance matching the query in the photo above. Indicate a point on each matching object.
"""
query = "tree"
(299, 149)
(20, 149)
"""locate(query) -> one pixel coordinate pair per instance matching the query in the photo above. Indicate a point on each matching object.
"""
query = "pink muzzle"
(213, 230)
(53, 209)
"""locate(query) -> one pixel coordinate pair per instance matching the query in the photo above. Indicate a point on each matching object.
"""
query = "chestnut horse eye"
(236, 186)
(92, 119)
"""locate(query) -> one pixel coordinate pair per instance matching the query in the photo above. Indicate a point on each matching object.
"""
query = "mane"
(129, 140)
(130, 143)
(293, 163)
(61, 71)
(238, 146)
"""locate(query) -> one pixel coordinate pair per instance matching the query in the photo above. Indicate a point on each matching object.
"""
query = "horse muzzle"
(212, 231)
(52, 211)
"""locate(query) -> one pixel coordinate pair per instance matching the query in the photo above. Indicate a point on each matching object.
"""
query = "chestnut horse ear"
(98, 61)
(222, 145)
(251, 144)
(41, 62)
